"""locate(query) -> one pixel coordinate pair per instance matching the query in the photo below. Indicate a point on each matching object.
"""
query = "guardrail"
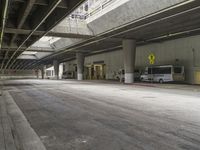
(93, 10)
(99, 8)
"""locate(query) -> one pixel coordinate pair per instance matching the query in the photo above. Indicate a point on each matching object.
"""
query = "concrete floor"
(72, 115)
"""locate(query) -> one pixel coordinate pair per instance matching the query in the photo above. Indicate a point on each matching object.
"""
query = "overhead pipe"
(3, 21)
(4, 17)
(51, 10)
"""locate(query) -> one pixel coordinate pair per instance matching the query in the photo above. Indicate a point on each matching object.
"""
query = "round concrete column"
(80, 65)
(129, 49)
(56, 69)
(43, 71)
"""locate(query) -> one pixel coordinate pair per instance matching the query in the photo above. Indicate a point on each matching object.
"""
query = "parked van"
(161, 74)
(68, 75)
(121, 74)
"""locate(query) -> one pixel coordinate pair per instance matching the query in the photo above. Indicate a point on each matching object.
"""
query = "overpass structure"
(92, 27)
(99, 74)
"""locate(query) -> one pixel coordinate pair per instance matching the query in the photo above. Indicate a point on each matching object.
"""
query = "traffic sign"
(152, 58)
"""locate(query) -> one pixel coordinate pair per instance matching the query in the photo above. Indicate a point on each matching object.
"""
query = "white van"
(120, 75)
(161, 74)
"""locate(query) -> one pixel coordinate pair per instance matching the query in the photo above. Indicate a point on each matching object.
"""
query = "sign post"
(152, 58)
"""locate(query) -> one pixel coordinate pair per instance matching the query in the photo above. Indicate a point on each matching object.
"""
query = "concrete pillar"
(37, 73)
(61, 67)
(42, 71)
(56, 69)
(80, 65)
(129, 50)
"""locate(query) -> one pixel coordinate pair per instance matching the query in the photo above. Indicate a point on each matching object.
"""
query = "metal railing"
(99, 8)
(94, 9)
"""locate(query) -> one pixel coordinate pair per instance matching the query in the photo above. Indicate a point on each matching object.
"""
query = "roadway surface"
(72, 115)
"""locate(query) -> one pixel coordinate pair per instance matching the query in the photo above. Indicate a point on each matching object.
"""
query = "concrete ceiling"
(170, 23)
(175, 22)
(26, 22)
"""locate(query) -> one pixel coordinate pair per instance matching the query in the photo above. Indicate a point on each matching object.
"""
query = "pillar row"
(80, 65)
(129, 50)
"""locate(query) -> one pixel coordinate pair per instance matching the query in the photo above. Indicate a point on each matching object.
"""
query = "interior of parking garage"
(99, 74)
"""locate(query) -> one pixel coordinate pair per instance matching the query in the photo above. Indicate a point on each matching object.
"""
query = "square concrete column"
(80, 65)
(56, 69)
(129, 50)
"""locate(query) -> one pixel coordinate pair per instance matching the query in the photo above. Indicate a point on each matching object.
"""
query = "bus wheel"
(161, 81)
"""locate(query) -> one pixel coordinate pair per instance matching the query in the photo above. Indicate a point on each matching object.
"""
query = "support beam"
(50, 33)
(23, 14)
(29, 50)
(129, 50)
(56, 69)
(80, 65)
(4, 11)
(20, 64)
(37, 23)
(63, 4)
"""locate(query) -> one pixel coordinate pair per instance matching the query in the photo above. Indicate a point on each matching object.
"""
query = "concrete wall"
(19, 74)
(184, 51)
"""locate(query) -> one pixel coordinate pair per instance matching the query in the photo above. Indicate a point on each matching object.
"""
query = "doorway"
(95, 72)
(99, 71)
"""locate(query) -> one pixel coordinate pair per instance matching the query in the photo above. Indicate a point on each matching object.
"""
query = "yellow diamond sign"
(152, 58)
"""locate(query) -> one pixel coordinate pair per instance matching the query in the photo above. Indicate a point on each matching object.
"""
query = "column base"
(129, 78)
(80, 77)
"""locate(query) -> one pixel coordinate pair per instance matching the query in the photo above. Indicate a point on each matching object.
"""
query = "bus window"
(150, 70)
(166, 70)
(177, 69)
(157, 70)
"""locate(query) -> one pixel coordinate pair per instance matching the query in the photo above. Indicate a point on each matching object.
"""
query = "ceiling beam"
(68, 35)
(59, 14)
(4, 11)
(23, 14)
(50, 33)
(63, 4)
(37, 22)
(20, 64)
(28, 50)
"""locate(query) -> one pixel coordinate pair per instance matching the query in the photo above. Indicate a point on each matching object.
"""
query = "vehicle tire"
(161, 81)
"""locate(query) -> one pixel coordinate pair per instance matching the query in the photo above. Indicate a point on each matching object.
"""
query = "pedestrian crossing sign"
(152, 58)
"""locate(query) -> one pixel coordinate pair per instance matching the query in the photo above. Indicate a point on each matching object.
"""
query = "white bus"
(161, 74)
